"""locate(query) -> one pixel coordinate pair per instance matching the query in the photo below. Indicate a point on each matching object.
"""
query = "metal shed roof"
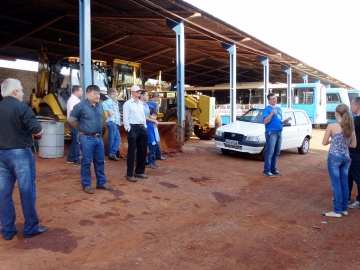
(136, 30)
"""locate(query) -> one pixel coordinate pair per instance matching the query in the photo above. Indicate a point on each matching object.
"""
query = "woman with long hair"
(340, 136)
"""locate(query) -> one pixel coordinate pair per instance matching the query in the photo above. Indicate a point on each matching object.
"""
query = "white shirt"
(73, 100)
(133, 113)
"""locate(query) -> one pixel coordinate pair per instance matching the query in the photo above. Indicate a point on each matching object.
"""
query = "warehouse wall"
(27, 78)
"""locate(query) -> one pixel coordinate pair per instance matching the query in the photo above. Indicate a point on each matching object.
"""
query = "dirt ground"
(198, 210)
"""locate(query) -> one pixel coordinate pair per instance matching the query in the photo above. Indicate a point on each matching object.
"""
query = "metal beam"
(288, 80)
(232, 51)
(265, 62)
(178, 28)
(85, 44)
(30, 32)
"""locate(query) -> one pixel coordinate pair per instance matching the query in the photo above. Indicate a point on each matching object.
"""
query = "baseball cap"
(135, 88)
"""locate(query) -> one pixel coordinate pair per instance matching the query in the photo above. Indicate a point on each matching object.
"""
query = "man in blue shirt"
(86, 117)
(152, 103)
(112, 123)
(272, 118)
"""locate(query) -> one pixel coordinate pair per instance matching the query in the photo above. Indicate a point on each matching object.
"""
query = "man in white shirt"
(135, 125)
(73, 156)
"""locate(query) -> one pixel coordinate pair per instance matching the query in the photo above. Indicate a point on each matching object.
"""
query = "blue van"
(334, 97)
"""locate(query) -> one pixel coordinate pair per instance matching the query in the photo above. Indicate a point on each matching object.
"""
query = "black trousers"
(137, 140)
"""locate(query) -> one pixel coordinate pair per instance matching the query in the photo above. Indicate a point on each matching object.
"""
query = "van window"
(303, 96)
(301, 118)
(333, 98)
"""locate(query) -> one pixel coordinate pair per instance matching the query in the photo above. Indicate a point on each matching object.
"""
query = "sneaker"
(161, 158)
(355, 205)
(332, 214)
(70, 161)
(151, 166)
(77, 163)
(156, 165)
(277, 173)
(113, 157)
(345, 213)
(269, 174)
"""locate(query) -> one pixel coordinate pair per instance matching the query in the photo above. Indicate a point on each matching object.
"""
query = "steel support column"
(288, 80)
(232, 51)
(178, 28)
(85, 44)
(265, 62)
(304, 77)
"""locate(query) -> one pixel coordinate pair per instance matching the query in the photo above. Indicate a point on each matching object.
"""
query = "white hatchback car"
(247, 134)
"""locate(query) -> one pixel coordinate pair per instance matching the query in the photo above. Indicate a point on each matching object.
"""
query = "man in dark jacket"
(18, 125)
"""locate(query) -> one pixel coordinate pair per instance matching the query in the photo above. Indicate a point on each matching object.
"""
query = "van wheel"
(304, 148)
(225, 151)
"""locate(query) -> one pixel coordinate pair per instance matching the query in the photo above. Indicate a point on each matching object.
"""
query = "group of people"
(19, 129)
(343, 160)
(343, 157)
(85, 119)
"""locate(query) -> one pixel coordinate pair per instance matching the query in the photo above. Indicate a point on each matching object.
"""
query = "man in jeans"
(112, 123)
(73, 156)
(272, 118)
(354, 170)
(86, 117)
(18, 124)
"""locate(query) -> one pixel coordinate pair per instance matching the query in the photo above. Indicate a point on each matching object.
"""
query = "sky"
(323, 34)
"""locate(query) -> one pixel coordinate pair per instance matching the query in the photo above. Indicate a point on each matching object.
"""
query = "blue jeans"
(151, 156)
(92, 150)
(137, 141)
(74, 146)
(338, 167)
(113, 138)
(273, 147)
(18, 164)
(158, 151)
(354, 175)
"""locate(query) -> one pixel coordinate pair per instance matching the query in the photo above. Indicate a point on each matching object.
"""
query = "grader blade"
(167, 138)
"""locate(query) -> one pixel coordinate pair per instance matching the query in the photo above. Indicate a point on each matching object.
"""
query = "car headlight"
(253, 138)
(218, 133)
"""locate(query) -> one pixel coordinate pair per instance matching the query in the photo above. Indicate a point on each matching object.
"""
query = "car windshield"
(253, 116)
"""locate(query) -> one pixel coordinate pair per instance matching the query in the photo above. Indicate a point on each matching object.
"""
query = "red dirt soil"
(199, 210)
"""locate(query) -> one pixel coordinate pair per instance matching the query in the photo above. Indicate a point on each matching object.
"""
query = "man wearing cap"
(135, 125)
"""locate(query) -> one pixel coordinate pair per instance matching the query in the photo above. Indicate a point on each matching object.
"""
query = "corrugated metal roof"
(136, 30)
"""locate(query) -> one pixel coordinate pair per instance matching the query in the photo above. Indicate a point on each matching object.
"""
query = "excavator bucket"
(168, 142)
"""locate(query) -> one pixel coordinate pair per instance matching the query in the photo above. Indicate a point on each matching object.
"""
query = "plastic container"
(51, 144)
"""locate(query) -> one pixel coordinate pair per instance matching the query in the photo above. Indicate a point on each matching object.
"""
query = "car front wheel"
(304, 148)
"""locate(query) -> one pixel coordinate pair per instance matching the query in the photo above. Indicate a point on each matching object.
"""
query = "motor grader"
(54, 84)
(200, 115)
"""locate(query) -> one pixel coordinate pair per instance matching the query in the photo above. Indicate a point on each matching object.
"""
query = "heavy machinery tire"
(171, 116)
(209, 133)
(46, 111)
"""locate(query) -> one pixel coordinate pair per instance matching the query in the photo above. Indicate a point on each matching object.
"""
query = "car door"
(290, 132)
(303, 126)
